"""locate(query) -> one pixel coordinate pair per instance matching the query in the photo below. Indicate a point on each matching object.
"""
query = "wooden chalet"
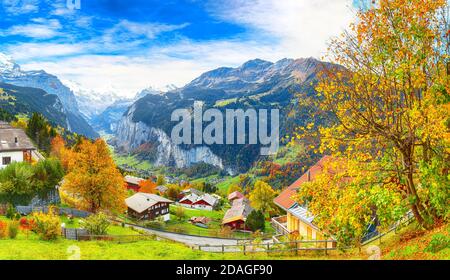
(144, 206)
(132, 183)
(236, 216)
(15, 146)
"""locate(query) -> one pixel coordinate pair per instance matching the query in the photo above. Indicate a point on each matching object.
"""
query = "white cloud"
(40, 29)
(303, 27)
(127, 30)
(178, 64)
(37, 51)
(17, 7)
(278, 29)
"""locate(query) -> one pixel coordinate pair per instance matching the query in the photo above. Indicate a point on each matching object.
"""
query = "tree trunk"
(416, 206)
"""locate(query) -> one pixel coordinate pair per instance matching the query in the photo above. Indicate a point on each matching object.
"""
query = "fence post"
(244, 249)
(326, 248)
(223, 248)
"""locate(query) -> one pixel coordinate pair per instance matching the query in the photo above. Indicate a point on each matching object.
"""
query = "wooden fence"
(73, 233)
(293, 246)
(117, 238)
(27, 210)
(409, 217)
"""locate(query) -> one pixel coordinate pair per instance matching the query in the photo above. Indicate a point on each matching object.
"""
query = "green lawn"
(132, 161)
(31, 248)
(34, 249)
(214, 227)
(225, 185)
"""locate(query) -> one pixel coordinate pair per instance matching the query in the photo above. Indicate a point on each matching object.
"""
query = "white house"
(198, 200)
(15, 146)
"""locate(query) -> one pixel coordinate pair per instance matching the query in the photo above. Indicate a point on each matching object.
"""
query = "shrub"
(11, 213)
(225, 232)
(13, 229)
(179, 229)
(157, 224)
(180, 213)
(438, 242)
(26, 224)
(47, 226)
(3, 230)
(255, 221)
(97, 224)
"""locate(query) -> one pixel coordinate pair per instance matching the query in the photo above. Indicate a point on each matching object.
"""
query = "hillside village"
(188, 212)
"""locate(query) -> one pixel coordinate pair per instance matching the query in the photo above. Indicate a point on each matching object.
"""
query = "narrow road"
(196, 241)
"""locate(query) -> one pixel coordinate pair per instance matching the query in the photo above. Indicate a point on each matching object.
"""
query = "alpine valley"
(138, 127)
(144, 129)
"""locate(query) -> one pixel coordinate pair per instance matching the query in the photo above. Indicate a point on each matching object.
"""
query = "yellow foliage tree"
(261, 197)
(391, 101)
(93, 181)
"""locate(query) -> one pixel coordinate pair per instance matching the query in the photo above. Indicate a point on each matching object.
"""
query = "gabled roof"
(161, 189)
(133, 180)
(241, 201)
(8, 137)
(142, 201)
(284, 200)
(191, 197)
(192, 191)
(235, 195)
(211, 200)
(237, 213)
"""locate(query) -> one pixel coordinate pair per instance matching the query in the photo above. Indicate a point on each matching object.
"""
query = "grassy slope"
(33, 249)
(225, 185)
(411, 243)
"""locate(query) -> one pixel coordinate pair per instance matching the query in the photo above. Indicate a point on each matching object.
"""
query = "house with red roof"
(236, 216)
(132, 183)
(298, 219)
(199, 200)
(235, 195)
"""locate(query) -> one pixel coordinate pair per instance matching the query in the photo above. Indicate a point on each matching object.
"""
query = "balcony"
(280, 225)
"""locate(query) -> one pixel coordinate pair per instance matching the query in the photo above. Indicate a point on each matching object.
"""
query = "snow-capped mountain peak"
(91, 102)
(156, 91)
(8, 66)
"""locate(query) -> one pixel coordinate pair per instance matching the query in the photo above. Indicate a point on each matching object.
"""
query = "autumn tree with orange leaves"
(391, 102)
(147, 186)
(93, 182)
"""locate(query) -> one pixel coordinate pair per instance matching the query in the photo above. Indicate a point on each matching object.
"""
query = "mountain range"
(11, 73)
(23, 100)
(142, 125)
(146, 126)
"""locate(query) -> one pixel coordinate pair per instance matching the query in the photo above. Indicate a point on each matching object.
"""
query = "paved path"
(196, 241)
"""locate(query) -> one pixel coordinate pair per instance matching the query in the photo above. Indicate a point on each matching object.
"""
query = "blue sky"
(127, 45)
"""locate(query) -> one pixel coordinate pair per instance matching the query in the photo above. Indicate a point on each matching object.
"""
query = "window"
(6, 160)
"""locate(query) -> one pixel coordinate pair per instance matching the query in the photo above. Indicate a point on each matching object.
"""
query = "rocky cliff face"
(130, 136)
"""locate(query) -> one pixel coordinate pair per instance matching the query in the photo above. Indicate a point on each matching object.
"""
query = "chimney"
(309, 175)
(16, 140)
